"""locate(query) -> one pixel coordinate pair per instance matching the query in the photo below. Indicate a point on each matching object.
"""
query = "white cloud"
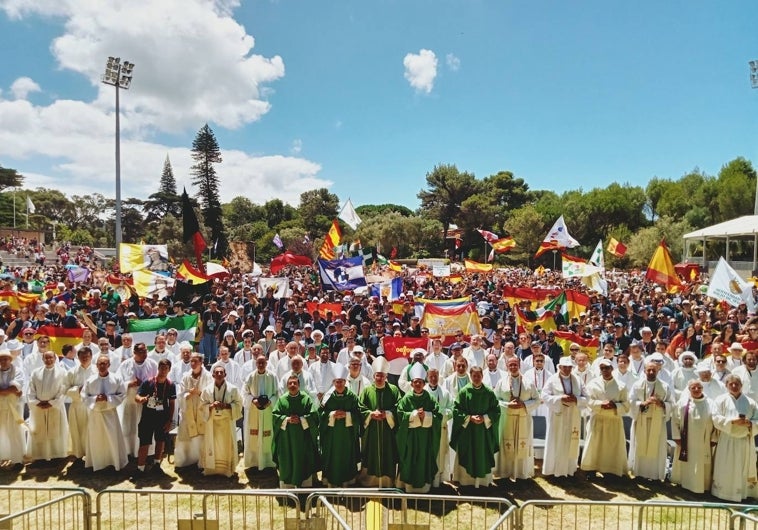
(194, 64)
(23, 86)
(453, 63)
(297, 146)
(421, 70)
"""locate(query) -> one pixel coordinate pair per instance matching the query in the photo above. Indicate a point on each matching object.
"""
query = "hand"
(294, 419)
(567, 399)
(134, 382)
(340, 414)
(44, 405)
(101, 397)
(167, 426)
(678, 443)
(421, 414)
(477, 419)
(378, 415)
(515, 404)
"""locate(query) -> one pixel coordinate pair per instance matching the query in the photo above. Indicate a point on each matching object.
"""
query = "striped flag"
(59, 337)
(616, 248)
(557, 238)
(278, 242)
(661, 270)
(145, 330)
(332, 239)
(475, 266)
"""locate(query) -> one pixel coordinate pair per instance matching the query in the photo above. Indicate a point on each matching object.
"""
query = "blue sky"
(366, 97)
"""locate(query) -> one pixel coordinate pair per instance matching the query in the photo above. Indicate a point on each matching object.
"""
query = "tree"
(448, 188)
(370, 210)
(642, 244)
(240, 211)
(166, 201)
(736, 189)
(277, 212)
(526, 226)
(10, 178)
(317, 209)
(206, 153)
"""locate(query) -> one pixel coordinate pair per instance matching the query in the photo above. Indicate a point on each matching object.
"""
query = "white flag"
(348, 214)
(727, 285)
(29, 205)
(575, 269)
(597, 257)
(559, 235)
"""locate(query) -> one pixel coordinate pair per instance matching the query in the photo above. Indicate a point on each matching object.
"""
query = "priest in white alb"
(48, 426)
(259, 395)
(695, 436)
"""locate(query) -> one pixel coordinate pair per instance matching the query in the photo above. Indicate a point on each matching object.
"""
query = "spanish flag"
(661, 270)
(475, 266)
(395, 266)
(332, 239)
(504, 244)
(60, 336)
(616, 248)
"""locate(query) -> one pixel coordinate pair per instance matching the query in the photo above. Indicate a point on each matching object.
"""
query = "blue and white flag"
(391, 289)
(342, 274)
(278, 241)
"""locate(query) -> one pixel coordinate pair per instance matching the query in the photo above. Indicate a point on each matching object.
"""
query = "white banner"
(728, 286)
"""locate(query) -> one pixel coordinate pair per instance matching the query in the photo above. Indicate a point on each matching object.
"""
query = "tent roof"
(747, 225)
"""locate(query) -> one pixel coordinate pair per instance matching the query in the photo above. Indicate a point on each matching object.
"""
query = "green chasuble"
(379, 447)
(476, 445)
(418, 446)
(340, 448)
(295, 449)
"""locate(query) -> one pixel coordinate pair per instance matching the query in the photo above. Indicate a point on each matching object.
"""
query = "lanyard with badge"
(152, 401)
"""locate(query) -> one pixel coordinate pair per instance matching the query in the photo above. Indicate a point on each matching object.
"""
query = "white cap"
(656, 357)
(417, 372)
(233, 314)
(269, 328)
(736, 346)
(228, 333)
(566, 361)
(381, 365)
(689, 354)
(604, 362)
(358, 349)
(339, 371)
(703, 367)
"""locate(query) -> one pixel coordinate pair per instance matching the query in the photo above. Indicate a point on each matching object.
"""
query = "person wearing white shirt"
(684, 373)
(172, 344)
(609, 352)
(356, 381)
(160, 352)
(509, 352)
(48, 426)
(132, 372)
(180, 367)
(11, 423)
(307, 384)
(492, 375)
(735, 356)
(245, 353)
(476, 354)
(191, 427)
(322, 374)
(538, 376)
(436, 358)
(77, 411)
(232, 369)
(259, 393)
(125, 350)
(748, 373)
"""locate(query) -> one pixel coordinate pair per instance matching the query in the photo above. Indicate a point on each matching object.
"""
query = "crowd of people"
(310, 393)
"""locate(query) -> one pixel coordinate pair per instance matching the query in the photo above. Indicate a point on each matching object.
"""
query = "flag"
(215, 270)
(18, 300)
(187, 272)
(526, 320)
(616, 248)
(557, 238)
(191, 229)
(145, 330)
(569, 304)
(348, 214)
(577, 269)
(190, 292)
(475, 266)
(504, 244)
(397, 351)
(323, 307)
(78, 274)
(391, 290)
(278, 241)
(30, 205)
(288, 258)
(728, 286)
(395, 266)
(342, 274)
(661, 270)
(537, 295)
(444, 319)
(597, 257)
(332, 239)
(147, 283)
(59, 337)
(281, 287)
(595, 282)
(488, 236)
(588, 346)
(153, 258)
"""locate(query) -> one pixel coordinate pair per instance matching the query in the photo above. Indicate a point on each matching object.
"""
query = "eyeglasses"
(720, 362)
(752, 329)
(574, 349)
(539, 360)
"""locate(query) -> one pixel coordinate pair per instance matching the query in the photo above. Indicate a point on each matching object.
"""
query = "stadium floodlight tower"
(118, 75)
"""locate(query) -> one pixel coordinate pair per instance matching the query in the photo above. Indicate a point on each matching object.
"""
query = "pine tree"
(206, 153)
(165, 201)
(168, 182)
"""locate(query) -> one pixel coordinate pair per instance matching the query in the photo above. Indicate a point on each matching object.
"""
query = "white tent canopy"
(742, 227)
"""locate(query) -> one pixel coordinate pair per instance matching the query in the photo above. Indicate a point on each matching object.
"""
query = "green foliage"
(370, 210)
(277, 212)
(165, 201)
(526, 226)
(240, 211)
(317, 209)
(643, 243)
(447, 189)
(10, 178)
(206, 153)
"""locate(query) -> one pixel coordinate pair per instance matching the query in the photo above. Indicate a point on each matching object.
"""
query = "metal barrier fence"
(197, 510)
(379, 511)
(744, 521)
(26, 507)
(545, 515)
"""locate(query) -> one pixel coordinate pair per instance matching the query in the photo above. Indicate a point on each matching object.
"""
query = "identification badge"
(152, 403)
(159, 408)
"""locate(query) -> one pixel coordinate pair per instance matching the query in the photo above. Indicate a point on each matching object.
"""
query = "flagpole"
(14, 208)
(27, 212)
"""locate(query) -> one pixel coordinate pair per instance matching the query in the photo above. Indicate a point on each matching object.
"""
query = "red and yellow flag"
(616, 248)
(333, 238)
(18, 300)
(504, 244)
(60, 336)
(475, 266)
(661, 270)
(395, 266)
(588, 346)
(322, 308)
